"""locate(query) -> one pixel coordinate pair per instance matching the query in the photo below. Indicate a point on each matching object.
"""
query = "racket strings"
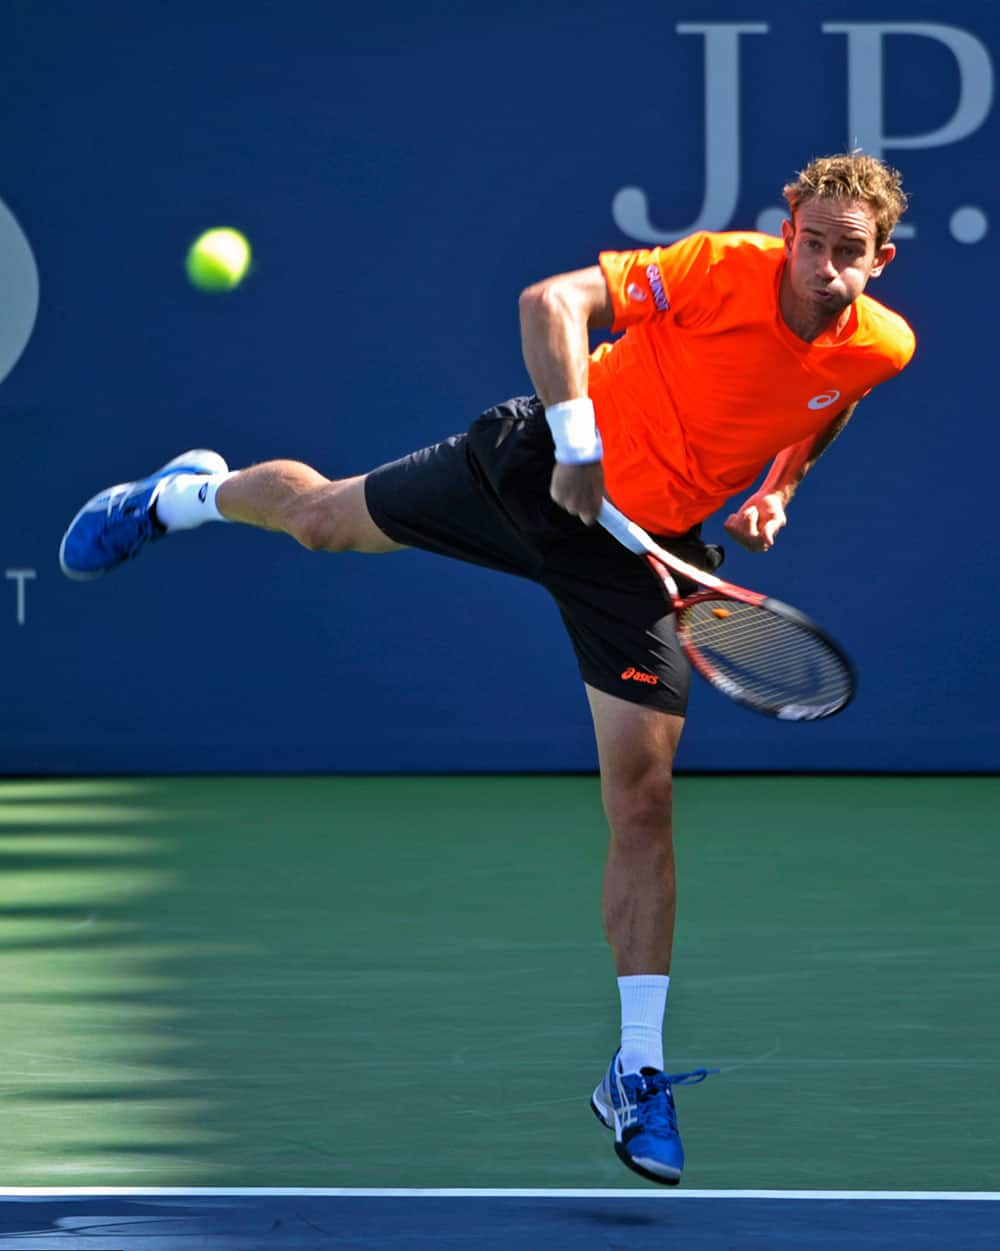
(774, 662)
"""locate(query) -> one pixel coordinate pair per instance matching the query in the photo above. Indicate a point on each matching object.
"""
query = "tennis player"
(741, 353)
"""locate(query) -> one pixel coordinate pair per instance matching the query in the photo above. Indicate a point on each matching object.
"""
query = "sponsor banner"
(402, 175)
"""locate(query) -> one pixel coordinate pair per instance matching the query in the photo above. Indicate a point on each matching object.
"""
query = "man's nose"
(825, 267)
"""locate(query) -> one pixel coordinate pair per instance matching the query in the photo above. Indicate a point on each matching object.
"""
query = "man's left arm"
(756, 523)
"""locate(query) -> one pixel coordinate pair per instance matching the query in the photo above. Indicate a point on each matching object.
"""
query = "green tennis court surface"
(403, 982)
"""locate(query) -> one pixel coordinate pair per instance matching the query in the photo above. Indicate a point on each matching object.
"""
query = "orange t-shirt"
(708, 384)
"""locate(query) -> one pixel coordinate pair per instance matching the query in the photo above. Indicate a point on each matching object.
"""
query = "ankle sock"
(187, 500)
(644, 1002)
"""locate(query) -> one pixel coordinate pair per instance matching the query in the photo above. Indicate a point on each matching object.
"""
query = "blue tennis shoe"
(639, 1107)
(116, 524)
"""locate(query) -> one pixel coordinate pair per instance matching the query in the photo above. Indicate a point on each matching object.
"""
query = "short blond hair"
(853, 176)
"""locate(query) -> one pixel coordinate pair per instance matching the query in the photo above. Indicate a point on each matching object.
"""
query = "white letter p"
(865, 111)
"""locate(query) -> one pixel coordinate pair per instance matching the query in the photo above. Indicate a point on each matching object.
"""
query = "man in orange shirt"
(738, 350)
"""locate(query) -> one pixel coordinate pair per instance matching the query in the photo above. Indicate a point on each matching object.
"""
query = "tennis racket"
(755, 649)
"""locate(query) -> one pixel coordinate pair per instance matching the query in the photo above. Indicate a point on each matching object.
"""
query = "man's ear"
(788, 234)
(884, 255)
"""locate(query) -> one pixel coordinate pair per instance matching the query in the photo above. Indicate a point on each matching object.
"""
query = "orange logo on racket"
(637, 675)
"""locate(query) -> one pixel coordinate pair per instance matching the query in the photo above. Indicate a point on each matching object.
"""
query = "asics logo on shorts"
(637, 675)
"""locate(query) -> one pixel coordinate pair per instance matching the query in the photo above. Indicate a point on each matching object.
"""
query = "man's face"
(830, 246)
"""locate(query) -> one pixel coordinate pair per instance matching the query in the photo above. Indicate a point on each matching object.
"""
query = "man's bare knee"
(639, 806)
(314, 524)
(334, 517)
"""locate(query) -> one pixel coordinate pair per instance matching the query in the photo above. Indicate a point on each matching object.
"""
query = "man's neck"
(806, 323)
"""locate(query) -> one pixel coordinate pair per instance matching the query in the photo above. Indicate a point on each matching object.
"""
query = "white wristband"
(574, 431)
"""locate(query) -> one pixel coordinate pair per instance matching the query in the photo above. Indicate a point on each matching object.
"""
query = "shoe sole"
(186, 458)
(597, 1110)
(621, 1151)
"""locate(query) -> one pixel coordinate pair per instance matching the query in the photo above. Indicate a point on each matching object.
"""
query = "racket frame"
(665, 565)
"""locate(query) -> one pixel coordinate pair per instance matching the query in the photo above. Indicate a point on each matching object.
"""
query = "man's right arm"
(757, 521)
(556, 315)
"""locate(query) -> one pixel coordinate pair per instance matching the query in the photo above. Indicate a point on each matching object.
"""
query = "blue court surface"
(496, 1220)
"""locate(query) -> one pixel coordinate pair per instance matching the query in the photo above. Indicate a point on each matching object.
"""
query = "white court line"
(33, 1192)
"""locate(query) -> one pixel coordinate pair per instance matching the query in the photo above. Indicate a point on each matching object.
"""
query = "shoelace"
(690, 1079)
(659, 1113)
(120, 507)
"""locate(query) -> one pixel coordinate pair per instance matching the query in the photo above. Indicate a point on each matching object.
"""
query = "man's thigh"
(438, 499)
(634, 742)
(620, 623)
(348, 498)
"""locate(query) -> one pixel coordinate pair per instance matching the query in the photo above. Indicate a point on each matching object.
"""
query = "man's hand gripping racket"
(754, 649)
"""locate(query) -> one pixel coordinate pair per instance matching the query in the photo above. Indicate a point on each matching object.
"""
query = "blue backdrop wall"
(387, 160)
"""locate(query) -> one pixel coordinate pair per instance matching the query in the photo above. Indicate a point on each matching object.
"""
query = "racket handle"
(626, 532)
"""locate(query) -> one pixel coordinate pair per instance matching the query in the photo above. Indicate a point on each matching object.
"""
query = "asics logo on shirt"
(655, 280)
(824, 400)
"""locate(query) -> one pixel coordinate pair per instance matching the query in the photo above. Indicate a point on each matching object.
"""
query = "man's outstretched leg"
(636, 747)
(197, 486)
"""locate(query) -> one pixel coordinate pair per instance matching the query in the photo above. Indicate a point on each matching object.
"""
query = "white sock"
(187, 499)
(644, 1001)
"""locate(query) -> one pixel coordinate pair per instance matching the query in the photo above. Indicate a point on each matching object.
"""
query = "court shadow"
(255, 981)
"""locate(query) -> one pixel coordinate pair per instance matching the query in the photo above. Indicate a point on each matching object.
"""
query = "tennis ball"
(218, 259)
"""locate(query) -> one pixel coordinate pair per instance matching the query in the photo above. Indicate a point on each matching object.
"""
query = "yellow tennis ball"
(218, 259)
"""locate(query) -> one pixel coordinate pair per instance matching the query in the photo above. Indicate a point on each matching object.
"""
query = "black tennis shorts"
(483, 497)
